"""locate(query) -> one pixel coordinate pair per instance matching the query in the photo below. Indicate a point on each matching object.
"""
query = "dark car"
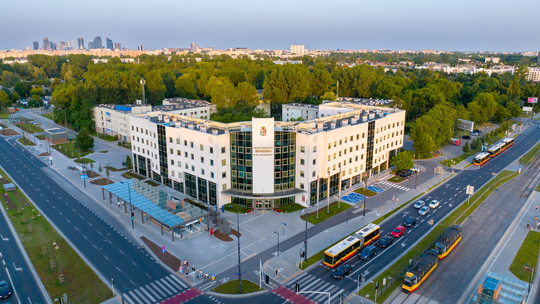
(410, 222)
(368, 252)
(404, 173)
(477, 131)
(5, 290)
(341, 271)
(466, 137)
(385, 241)
(124, 164)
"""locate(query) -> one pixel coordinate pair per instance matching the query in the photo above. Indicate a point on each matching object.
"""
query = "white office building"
(262, 161)
(534, 74)
(113, 119)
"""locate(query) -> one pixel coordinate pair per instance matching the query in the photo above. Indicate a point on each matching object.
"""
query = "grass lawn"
(4, 115)
(126, 145)
(41, 137)
(151, 183)
(290, 208)
(133, 175)
(81, 283)
(107, 137)
(323, 215)
(48, 115)
(113, 169)
(538, 188)
(84, 160)
(363, 192)
(529, 156)
(30, 128)
(527, 254)
(396, 179)
(25, 141)
(236, 208)
(394, 269)
(231, 287)
(68, 149)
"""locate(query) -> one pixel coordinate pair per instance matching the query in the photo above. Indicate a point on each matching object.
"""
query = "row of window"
(343, 172)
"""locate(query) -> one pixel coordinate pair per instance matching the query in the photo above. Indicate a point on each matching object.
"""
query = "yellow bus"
(352, 244)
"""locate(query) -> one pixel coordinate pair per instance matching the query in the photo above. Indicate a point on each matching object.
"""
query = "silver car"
(419, 204)
(424, 210)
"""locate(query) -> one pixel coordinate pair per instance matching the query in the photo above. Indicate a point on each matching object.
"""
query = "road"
(450, 194)
(109, 252)
(15, 270)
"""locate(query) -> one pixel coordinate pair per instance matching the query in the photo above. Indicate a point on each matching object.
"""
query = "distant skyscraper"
(36, 45)
(538, 57)
(97, 42)
(80, 42)
(53, 46)
(297, 49)
(139, 47)
(109, 43)
(91, 45)
(74, 44)
(46, 45)
(117, 46)
(194, 47)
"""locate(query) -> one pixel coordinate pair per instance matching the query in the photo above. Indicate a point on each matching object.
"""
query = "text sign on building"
(532, 100)
(262, 134)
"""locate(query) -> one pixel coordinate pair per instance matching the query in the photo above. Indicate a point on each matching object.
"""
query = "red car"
(398, 231)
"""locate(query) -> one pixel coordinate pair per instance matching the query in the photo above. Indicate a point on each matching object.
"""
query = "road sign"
(163, 249)
(84, 176)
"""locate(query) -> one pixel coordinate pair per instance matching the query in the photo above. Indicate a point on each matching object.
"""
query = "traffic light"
(302, 254)
(377, 285)
(297, 287)
(267, 279)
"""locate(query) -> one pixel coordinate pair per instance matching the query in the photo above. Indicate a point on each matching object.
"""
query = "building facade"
(534, 74)
(98, 43)
(114, 120)
(36, 45)
(46, 45)
(262, 161)
(80, 42)
(299, 110)
(297, 49)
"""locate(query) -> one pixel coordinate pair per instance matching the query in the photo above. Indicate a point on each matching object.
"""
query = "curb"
(239, 296)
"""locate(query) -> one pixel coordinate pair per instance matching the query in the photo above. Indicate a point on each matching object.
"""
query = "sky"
(458, 25)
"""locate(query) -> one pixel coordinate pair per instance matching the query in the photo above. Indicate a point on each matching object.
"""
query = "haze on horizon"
(458, 25)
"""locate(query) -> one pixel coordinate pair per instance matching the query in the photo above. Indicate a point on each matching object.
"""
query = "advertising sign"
(465, 125)
(263, 155)
(527, 109)
(532, 100)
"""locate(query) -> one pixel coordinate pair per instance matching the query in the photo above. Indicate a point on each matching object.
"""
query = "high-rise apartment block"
(109, 43)
(98, 43)
(117, 46)
(36, 45)
(139, 47)
(91, 45)
(80, 43)
(297, 49)
(46, 45)
(194, 47)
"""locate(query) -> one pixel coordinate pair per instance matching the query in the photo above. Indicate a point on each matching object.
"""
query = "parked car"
(411, 221)
(404, 173)
(5, 290)
(474, 133)
(477, 131)
(17, 110)
(341, 271)
(398, 231)
(465, 137)
(415, 170)
(385, 241)
(424, 210)
(124, 164)
(434, 204)
(368, 252)
(419, 204)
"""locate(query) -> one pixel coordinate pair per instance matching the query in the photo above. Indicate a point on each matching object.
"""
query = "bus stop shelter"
(159, 206)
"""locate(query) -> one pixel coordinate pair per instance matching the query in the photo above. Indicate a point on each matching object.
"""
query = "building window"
(178, 141)
(193, 168)
(172, 151)
(178, 152)
(192, 156)
(170, 140)
(211, 150)
(351, 138)
(185, 154)
(302, 162)
(185, 143)
(363, 135)
(223, 174)
(202, 171)
(313, 174)
(202, 148)
(187, 167)
(202, 159)
(212, 174)
(179, 164)
(224, 187)
(314, 161)
(223, 162)
(222, 150)
(191, 144)
(301, 173)
(329, 146)
(301, 185)
(302, 149)
(211, 162)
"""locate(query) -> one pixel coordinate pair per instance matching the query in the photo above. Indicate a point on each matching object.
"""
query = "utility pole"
(339, 187)
(317, 197)
(239, 261)
(365, 192)
(328, 193)
(305, 238)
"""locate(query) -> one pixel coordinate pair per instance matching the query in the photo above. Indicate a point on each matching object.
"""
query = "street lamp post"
(130, 205)
(239, 261)
(277, 242)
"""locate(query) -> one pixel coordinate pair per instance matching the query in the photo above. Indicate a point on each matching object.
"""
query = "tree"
(403, 160)
(287, 83)
(107, 172)
(8, 79)
(15, 96)
(329, 96)
(84, 140)
(321, 82)
(4, 99)
(482, 108)
(55, 82)
(466, 147)
(128, 161)
(100, 169)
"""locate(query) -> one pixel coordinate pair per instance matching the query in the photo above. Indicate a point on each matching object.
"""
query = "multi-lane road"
(109, 252)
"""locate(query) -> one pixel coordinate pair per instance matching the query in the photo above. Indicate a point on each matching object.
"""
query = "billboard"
(527, 109)
(465, 125)
(262, 134)
(532, 100)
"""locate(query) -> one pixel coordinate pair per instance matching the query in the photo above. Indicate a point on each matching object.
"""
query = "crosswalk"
(156, 291)
(310, 283)
(389, 184)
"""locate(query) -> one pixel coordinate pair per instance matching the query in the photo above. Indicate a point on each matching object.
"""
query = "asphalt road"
(450, 195)
(109, 252)
(16, 271)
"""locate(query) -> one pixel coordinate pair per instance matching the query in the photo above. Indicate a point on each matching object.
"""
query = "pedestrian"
(118, 204)
(200, 273)
(123, 203)
(187, 273)
(527, 226)
(277, 275)
(206, 276)
(180, 269)
(392, 198)
(187, 263)
(535, 208)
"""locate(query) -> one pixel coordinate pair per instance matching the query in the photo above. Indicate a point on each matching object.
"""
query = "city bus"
(481, 158)
(495, 149)
(352, 244)
(508, 141)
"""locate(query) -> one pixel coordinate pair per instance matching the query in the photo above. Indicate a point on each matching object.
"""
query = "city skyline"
(341, 25)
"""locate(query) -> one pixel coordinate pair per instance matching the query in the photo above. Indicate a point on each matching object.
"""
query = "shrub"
(466, 147)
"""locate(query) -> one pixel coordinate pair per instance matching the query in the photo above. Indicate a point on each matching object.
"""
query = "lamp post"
(277, 242)
(239, 261)
(130, 205)
(143, 82)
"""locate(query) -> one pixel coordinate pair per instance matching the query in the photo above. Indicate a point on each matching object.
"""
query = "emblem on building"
(263, 131)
